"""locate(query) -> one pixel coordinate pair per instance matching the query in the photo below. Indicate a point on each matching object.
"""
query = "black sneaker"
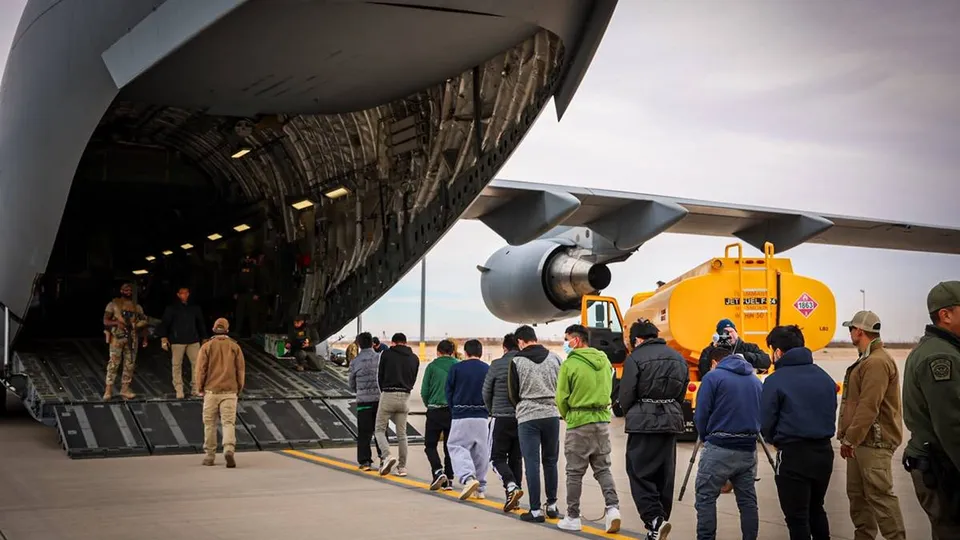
(530, 518)
(553, 512)
(439, 481)
(659, 529)
(513, 499)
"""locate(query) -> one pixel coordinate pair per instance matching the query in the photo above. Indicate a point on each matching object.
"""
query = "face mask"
(567, 348)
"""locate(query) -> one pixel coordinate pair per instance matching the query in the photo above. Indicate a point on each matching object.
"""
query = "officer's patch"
(941, 369)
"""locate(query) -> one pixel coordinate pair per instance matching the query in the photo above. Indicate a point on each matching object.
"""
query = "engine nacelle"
(538, 282)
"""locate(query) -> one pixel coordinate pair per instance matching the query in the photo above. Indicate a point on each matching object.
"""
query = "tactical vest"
(124, 310)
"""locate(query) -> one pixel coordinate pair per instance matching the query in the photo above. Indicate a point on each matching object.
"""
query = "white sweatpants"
(469, 449)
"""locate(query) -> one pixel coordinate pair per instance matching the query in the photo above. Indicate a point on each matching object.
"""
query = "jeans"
(717, 466)
(542, 433)
(803, 475)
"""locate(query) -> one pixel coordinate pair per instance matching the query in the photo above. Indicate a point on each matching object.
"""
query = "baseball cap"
(867, 321)
(221, 324)
(945, 294)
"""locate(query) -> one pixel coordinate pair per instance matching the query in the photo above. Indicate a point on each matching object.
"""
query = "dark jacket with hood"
(799, 401)
(653, 387)
(753, 354)
(182, 324)
(399, 366)
(728, 405)
(495, 388)
(533, 383)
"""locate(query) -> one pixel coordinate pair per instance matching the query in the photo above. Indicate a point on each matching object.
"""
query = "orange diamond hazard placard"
(805, 304)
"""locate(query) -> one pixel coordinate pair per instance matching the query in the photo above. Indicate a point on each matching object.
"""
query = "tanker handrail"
(726, 255)
(768, 252)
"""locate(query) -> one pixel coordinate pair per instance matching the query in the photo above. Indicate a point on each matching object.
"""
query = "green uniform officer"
(931, 412)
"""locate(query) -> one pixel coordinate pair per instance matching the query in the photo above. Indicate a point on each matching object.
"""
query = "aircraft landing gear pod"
(757, 294)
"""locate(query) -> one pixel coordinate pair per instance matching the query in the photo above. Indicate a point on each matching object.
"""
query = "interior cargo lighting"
(150, 258)
(337, 193)
(241, 227)
(139, 272)
(240, 153)
(214, 236)
(306, 203)
(167, 253)
(186, 246)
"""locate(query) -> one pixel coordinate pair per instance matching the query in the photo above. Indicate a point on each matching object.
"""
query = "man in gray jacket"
(363, 381)
(505, 448)
(532, 387)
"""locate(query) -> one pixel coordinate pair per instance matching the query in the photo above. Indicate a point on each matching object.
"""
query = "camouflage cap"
(867, 321)
(945, 294)
(221, 324)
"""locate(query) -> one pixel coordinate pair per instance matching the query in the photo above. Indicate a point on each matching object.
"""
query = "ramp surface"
(172, 428)
(280, 408)
(99, 430)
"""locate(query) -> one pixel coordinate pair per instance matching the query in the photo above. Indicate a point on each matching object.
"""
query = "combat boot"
(208, 460)
(108, 395)
(126, 393)
(231, 463)
(179, 393)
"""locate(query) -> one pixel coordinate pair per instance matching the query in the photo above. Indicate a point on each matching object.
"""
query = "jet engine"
(539, 281)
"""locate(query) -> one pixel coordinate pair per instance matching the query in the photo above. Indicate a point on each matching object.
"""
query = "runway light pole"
(863, 292)
(423, 308)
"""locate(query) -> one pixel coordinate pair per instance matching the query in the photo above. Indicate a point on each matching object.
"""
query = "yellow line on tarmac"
(352, 467)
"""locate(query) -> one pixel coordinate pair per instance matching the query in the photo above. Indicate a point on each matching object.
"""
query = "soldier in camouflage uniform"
(124, 319)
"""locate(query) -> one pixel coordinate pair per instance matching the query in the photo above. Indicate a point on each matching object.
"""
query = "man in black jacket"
(182, 329)
(653, 387)
(302, 343)
(753, 354)
(397, 374)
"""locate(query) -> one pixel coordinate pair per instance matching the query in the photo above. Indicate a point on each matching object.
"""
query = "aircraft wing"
(523, 211)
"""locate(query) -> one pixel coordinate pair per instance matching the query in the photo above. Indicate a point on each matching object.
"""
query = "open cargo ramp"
(279, 408)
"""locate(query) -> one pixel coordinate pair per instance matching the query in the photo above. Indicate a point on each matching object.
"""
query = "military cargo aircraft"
(306, 154)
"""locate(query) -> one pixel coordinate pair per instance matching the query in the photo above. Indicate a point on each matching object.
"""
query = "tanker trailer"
(756, 293)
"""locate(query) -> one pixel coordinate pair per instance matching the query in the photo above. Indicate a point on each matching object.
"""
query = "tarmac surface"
(44, 495)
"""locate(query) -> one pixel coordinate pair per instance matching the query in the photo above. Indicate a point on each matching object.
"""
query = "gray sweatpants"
(469, 449)
(588, 445)
(393, 406)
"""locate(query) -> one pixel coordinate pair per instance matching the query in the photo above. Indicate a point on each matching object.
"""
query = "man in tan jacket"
(220, 375)
(870, 429)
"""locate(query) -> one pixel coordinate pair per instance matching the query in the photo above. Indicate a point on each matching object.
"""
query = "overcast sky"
(841, 107)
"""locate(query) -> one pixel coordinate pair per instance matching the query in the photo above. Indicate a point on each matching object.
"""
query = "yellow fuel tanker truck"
(756, 293)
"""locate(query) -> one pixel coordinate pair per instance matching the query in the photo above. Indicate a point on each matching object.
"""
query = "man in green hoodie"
(433, 391)
(584, 386)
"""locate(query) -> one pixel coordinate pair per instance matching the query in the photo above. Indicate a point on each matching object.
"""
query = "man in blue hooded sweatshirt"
(800, 418)
(728, 421)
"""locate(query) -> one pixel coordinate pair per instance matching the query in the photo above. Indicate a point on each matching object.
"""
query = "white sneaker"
(612, 520)
(569, 524)
(660, 531)
(479, 495)
(469, 487)
(387, 466)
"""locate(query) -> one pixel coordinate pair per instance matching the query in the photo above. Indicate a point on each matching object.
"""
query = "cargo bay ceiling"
(390, 118)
